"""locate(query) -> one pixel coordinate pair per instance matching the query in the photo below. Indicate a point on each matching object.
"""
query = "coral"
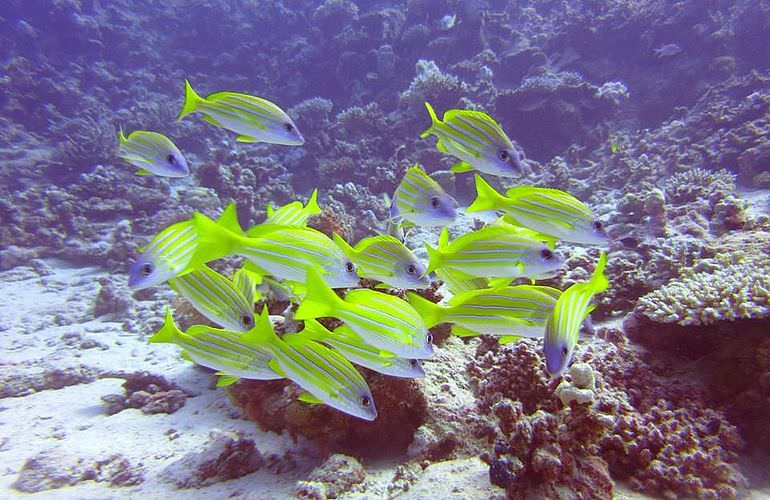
(401, 409)
(89, 141)
(109, 301)
(150, 393)
(224, 456)
(641, 426)
(614, 91)
(430, 84)
(448, 429)
(722, 288)
(560, 108)
(337, 475)
(52, 469)
(15, 384)
(333, 15)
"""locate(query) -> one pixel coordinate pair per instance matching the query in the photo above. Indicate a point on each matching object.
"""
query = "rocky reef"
(666, 138)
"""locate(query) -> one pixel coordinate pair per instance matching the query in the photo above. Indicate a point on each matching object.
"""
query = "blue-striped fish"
(508, 312)
(569, 314)
(294, 213)
(548, 211)
(228, 352)
(386, 259)
(173, 251)
(494, 252)
(421, 201)
(476, 140)
(253, 118)
(284, 252)
(152, 153)
(217, 298)
(354, 348)
(326, 375)
(382, 320)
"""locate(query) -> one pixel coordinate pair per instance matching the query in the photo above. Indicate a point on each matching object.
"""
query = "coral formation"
(51, 469)
(337, 475)
(147, 392)
(641, 426)
(664, 162)
(401, 409)
(720, 289)
(225, 456)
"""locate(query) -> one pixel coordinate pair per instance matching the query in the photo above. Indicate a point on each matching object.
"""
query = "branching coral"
(714, 290)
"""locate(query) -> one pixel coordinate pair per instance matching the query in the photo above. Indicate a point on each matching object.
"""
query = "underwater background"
(655, 114)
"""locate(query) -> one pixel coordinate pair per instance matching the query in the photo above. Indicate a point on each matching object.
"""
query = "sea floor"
(50, 338)
(57, 436)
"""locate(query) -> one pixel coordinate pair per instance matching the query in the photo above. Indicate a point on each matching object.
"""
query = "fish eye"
(413, 362)
(434, 202)
(411, 269)
(597, 225)
(146, 269)
(170, 158)
(366, 402)
(246, 320)
(429, 338)
(564, 351)
(288, 127)
(546, 254)
(349, 267)
(503, 155)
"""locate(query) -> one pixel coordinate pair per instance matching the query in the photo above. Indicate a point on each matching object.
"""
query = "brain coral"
(722, 288)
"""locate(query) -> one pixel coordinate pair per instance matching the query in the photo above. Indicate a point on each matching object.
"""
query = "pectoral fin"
(226, 380)
(461, 167)
(306, 397)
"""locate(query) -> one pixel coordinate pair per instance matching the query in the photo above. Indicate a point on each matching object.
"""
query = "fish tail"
(486, 196)
(315, 330)
(435, 259)
(122, 139)
(344, 245)
(599, 282)
(431, 313)
(311, 206)
(320, 300)
(168, 333)
(229, 219)
(443, 240)
(433, 118)
(215, 241)
(191, 101)
(263, 333)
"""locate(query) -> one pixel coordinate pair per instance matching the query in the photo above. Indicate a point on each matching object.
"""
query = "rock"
(14, 384)
(150, 393)
(338, 475)
(47, 471)
(52, 469)
(16, 256)
(225, 456)
(109, 300)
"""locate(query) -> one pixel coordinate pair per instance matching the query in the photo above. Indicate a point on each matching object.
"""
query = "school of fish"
(378, 330)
